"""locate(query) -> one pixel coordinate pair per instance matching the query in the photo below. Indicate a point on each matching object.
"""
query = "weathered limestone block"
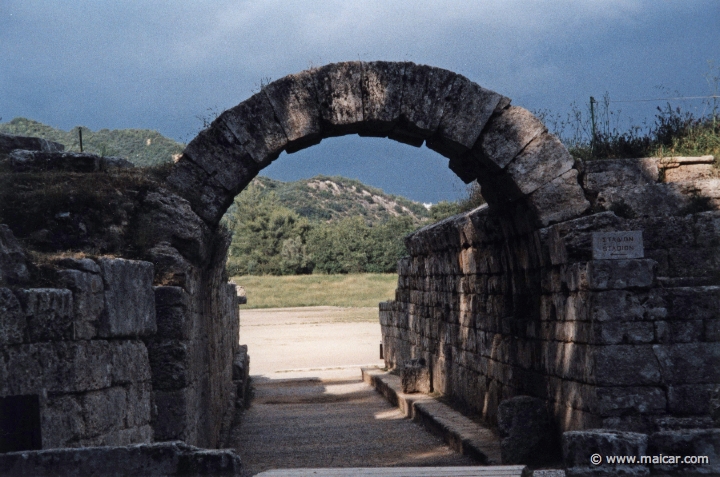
(172, 414)
(625, 365)
(294, 101)
(415, 377)
(618, 401)
(423, 103)
(173, 269)
(544, 159)
(129, 299)
(579, 446)
(691, 442)
(170, 361)
(253, 124)
(526, 430)
(600, 175)
(12, 319)
(223, 156)
(465, 113)
(166, 458)
(103, 410)
(642, 201)
(172, 313)
(189, 180)
(507, 134)
(382, 88)
(72, 366)
(715, 405)
(688, 399)
(611, 274)
(689, 363)
(48, 313)
(61, 421)
(88, 293)
(13, 262)
(560, 199)
(340, 96)
(9, 143)
(121, 437)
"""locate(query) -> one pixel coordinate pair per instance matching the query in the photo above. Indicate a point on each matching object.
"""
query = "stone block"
(616, 401)
(169, 362)
(415, 377)
(12, 319)
(625, 365)
(691, 442)
(129, 361)
(526, 430)
(172, 414)
(48, 313)
(600, 175)
(642, 201)
(88, 293)
(162, 458)
(104, 410)
(9, 143)
(40, 161)
(174, 319)
(619, 274)
(580, 446)
(544, 159)
(13, 262)
(382, 88)
(465, 113)
(423, 103)
(715, 405)
(507, 134)
(254, 126)
(62, 423)
(559, 200)
(294, 101)
(129, 299)
(340, 97)
(688, 363)
(689, 399)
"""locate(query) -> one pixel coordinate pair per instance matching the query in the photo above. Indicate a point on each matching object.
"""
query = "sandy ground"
(310, 406)
(286, 343)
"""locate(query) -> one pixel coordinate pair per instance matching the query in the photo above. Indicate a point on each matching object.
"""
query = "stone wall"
(499, 310)
(180, 334)
(77, 352)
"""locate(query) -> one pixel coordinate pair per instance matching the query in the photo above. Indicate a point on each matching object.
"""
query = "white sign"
(617, 245)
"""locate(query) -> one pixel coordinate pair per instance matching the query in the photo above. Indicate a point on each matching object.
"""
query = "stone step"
(485, 471)
(460, 433)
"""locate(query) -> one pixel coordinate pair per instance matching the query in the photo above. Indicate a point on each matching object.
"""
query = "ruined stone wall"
(76, 352)
(183, 363)
(498, 311)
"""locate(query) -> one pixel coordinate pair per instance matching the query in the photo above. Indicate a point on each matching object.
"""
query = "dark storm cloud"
(160, 64)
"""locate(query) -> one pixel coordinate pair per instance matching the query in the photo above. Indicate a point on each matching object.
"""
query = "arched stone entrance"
(505, 148)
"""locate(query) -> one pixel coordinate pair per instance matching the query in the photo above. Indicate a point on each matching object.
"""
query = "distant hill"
(324, 198)
(143, 147)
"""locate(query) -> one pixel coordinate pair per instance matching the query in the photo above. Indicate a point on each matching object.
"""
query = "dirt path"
(311, 408)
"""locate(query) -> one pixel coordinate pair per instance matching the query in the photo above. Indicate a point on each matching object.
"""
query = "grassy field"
(358, 290)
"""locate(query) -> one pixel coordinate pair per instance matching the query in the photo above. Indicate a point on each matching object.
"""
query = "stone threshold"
(459, 432)
(491, 471)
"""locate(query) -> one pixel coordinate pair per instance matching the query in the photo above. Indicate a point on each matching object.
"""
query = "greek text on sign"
(617, 245)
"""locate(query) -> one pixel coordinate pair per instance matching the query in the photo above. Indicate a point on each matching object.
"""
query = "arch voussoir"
(507, 134)
(295, 103)
(423, 101)
(339, 95)
(382, 89)
(254, 125)
(465, 113)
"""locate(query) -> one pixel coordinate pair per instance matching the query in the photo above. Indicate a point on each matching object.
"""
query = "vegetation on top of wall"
(142, 147)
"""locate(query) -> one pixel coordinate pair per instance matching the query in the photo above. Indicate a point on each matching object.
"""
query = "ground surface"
(348, 290)
(311, 408)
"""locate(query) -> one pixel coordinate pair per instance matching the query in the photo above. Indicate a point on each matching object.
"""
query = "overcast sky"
(164, 64)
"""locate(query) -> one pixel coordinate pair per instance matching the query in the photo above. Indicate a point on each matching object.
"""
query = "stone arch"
(507, 149)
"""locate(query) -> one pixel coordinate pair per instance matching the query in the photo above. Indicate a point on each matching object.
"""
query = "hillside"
(143, 147)
(323, 198)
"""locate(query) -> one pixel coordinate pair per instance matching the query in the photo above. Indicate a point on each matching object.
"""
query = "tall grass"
(352, 290)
